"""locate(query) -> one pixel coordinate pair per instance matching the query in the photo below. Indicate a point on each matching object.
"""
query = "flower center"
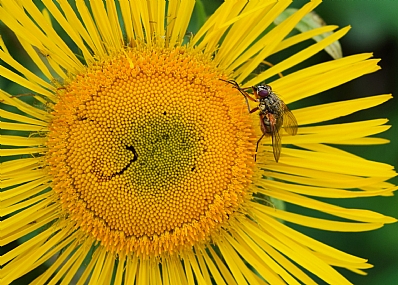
(149, 151)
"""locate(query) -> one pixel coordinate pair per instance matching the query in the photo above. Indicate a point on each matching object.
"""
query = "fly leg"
(258, 142)
(245, 94)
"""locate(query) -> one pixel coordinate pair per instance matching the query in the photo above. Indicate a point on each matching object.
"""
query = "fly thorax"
(262, 106)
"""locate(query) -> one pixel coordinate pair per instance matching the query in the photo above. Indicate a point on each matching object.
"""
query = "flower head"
(136, 162)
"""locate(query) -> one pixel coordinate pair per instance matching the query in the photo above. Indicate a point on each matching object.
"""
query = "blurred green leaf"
(200, 13)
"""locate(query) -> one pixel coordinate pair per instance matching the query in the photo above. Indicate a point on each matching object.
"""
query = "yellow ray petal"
(320, 82)
(335, 133)
(22, 151)
(77, 260)
(245, 245)
(119, 271)
(21, 141)
(104, 26)
(24, 107)
(49, 250)
(301, 37)
(15, 165)
(159, 11)
(127, 20)
(322, 267)
(48, 36)
(214, 270)
(107, 269)
(23, 119)
(321, 224)
(292, 61)
(324, 112)
(364, 141)
(223, 268)
(11, 179)
(63, 262)
(8, 209)
(179, 273)
(27, 216)
(8, 19)
(343, 263)
(282, 260)
(321, 191)
(236, 263)
(39, 221)
(136, 15)
(98, 267)
(327, 149)
(298, 254)
(22, 127)
(316, 246)
(72, 26)
(233, 267)
(89, 268)
(30, 251)
(344, 127)
(34, 55)
(92, 30)
(274, 37)
(195, 266)
(165, 271)
(227, 10)
(321, 178)
(203, 267)
(248, 26)
(257, 46)
(115, 26)
(28, 82)
(144, 273)
(25, 28)
(352, 214)
(321, 68)
(181, 21)
(144, 19)
(334, 163)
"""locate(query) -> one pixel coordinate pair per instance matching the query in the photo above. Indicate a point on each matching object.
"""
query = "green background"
(374, 29)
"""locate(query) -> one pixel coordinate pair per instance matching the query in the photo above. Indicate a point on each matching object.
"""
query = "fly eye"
(263, 92)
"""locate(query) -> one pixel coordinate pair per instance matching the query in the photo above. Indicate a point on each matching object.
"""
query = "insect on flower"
(273, 114)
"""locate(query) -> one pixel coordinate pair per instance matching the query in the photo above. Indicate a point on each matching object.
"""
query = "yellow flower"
(136, 162)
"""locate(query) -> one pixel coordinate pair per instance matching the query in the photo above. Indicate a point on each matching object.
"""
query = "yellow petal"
(325, 112)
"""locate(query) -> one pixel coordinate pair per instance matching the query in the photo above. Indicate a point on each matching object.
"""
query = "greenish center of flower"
(166, 151)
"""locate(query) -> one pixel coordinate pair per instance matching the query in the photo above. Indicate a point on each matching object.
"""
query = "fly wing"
(276, 142)
(289, 121)
(274, 126)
